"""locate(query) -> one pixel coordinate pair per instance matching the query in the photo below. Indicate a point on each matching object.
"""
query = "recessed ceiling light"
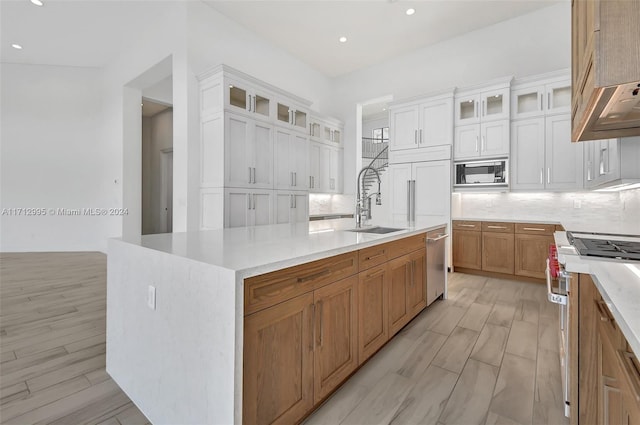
(37, 2)
(343, 39)
(16, 46)
(410, 11)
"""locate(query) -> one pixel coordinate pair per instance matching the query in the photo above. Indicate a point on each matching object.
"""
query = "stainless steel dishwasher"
(436, 265)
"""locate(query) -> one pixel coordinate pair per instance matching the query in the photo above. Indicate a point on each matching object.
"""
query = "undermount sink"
(377, 229)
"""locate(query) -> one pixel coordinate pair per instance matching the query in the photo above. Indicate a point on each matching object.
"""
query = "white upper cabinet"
(543, 157)
(292, 159)
(542, 94)
(421, 123)
(243, 97)
(481, 105)
(248, 152)
(482, 121)
(330, 169)
(326, 130)
(314, 167)
(289, 115)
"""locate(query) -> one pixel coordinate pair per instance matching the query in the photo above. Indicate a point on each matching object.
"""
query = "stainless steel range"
(613, 246)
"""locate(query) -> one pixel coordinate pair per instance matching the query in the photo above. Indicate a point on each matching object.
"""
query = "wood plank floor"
(487, 355)
(52, 342)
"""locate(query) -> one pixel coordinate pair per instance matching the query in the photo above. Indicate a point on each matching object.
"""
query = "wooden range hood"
(605, 49)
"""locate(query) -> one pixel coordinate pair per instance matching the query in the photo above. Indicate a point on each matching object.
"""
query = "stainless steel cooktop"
(614, 246)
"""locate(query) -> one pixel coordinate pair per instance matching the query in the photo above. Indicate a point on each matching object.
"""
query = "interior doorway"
(157, 166)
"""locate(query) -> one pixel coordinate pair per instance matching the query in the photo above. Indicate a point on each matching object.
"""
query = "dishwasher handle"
(440, 237)
(553, 296)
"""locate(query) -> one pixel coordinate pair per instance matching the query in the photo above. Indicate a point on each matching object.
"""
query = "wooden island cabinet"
(508, 250)
(307, 328)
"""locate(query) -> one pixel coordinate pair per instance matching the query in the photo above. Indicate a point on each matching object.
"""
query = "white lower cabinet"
(420, 190)
(543, 156)
(291, 207)
(246, 207)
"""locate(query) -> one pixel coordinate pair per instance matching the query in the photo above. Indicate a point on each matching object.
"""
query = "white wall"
(157, 135)
(53, 156)
(530, 44)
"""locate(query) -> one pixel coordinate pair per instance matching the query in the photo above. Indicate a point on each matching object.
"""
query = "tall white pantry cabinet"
(256, 165)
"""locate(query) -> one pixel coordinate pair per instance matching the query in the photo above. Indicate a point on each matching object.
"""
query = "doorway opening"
(157, 164)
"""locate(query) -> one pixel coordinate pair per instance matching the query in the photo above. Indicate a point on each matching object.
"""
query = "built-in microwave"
(493, 172)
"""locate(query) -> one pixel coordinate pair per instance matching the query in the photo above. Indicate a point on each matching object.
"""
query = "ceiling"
(92, 32)
(376, 30)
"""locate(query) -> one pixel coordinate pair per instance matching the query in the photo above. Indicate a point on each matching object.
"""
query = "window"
(380, 135)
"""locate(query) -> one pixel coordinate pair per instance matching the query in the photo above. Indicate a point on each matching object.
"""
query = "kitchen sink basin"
(377, 229)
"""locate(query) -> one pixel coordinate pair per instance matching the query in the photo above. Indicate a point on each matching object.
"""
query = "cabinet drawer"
(535, 229)
(272, 288)
(498, 227)
(407, 245)
(372, 256)
(467, 225)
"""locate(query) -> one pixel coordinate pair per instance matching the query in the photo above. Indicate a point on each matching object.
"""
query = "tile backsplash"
(581, 209)
(323, 203)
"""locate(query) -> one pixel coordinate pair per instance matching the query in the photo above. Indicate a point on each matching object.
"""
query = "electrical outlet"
(151, 297)
(577, 203)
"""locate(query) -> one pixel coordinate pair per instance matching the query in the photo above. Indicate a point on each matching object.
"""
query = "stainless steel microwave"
(492, 172)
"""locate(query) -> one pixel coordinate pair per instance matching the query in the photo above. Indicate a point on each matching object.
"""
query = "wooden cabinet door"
(400, 275)
(278, 363)
(531, 253)
(609, 391)
(335, 330)
(497, 252)
(467, 249)
(417, 289)
(373, 312)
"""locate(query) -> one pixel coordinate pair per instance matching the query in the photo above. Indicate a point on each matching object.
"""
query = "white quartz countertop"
(251, 251)
(617, 281)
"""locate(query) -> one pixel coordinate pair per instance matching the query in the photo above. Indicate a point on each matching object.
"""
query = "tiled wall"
(321, 203)
(594, 207)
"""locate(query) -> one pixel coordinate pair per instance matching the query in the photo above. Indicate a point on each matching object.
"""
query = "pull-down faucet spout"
(363, 202)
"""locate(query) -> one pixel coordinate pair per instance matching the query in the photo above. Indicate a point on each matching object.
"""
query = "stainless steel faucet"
(363, 201)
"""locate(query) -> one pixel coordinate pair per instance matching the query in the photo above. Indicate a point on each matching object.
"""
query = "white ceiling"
(92, 32)
(377, 30)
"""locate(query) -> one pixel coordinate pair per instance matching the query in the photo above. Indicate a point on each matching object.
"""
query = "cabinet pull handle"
(254, 104)
(541, 172)
(442, 236)
(254, 175)
(541, 102)
(498, 227)
(549, 100)
(254, 201)
(312, 319)
(295, 178)
(314, 276)
(321, 332)
(375, 256)
(376, 274)
(420, 141)
(483, 109)
(630, 371)
(291, 178)
(248, 107)
(604, 316)
(548, 175)
(248, 201)
(249, 174)
(466, 225)
(415, 137)
(537, 229)
(290, 201)
(476, 143)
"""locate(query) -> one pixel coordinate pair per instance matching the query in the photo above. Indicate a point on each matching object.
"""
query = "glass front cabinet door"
(248, 99)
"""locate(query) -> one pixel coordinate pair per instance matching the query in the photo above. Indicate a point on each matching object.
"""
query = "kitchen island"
(176, 307)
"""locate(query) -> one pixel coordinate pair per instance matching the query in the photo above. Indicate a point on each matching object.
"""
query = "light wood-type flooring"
(488, 354)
